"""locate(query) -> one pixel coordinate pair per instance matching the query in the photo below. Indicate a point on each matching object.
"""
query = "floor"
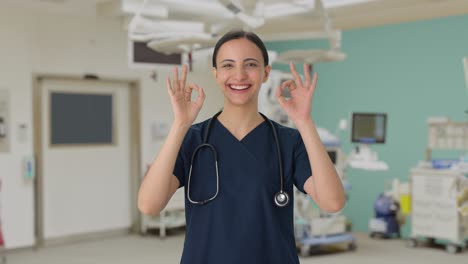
(150, 250)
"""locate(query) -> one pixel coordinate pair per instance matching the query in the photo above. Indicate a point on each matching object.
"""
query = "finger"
(314, 83)
(297, 78)
(307, 76)
(169, 87)
(290, 84)
(201, 95)
(184, 77)
(279, 92)
(176, 80)
(188, 93)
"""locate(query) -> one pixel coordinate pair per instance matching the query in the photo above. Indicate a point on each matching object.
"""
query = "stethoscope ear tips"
(281, 199)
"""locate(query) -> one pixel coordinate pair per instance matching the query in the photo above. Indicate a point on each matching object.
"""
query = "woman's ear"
(215, 72)
(267, 73)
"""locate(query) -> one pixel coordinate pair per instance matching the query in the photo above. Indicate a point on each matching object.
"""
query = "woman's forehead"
(239, 49)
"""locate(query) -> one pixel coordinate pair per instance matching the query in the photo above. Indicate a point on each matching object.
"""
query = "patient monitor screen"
(368, 128)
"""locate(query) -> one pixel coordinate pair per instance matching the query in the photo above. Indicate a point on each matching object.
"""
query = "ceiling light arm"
(136, 18)
(251, 21)
(334, 37)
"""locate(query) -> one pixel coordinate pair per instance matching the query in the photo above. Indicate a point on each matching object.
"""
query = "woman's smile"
(239, 88)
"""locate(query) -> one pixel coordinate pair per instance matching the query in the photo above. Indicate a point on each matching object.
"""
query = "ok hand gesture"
(185, 110)
(298, 107)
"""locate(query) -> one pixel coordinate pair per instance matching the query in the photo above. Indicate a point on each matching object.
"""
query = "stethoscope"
(281, 198)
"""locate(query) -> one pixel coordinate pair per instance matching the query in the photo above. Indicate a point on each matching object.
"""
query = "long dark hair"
(237, 34)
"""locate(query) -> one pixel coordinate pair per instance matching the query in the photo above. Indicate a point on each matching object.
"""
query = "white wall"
(33, 43)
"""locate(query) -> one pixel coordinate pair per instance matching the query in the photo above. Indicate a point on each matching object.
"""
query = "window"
(80, 118)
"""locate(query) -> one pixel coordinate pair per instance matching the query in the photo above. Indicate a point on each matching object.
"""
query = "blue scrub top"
(242, 224)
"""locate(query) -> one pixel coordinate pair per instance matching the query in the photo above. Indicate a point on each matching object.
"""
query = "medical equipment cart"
(309, 240)
(436, 197)
(439, 196)
(314, 229)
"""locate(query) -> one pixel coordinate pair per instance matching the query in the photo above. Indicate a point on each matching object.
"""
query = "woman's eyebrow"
(227, 60)
(231, 60)
(248, 59)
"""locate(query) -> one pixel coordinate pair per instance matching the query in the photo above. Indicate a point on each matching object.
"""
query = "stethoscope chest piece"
(281, 199)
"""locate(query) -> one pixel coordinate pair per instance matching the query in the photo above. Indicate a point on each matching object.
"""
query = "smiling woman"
(238, 197)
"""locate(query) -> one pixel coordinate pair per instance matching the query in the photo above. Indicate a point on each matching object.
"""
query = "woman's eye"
(251, 65)
(227, 66)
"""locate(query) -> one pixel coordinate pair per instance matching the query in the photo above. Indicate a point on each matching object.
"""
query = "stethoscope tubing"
(281, 198)
(213, 150)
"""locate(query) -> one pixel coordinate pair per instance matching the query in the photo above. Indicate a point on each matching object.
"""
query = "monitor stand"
(363, 157)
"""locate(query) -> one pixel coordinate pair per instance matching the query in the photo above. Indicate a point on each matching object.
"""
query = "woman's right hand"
(185, 110)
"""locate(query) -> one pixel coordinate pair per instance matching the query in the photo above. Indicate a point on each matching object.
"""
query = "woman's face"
(240, 71)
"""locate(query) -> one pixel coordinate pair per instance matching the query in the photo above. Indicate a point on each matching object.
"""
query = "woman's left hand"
(299, 106)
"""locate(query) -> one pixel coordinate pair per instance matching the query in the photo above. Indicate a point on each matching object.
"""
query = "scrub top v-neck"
(242, 224)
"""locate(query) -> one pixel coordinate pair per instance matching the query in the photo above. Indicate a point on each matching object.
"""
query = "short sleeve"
(302, 170)
(179, 167)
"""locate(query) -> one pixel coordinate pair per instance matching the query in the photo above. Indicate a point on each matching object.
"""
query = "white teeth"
(239, 87)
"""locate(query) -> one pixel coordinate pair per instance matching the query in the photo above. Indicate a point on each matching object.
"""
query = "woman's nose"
(241, 73)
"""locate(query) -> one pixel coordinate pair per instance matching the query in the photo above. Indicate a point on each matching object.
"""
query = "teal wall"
(411, 71)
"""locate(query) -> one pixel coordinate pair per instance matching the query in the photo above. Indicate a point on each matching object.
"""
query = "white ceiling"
(74, 7)
(360, 15)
